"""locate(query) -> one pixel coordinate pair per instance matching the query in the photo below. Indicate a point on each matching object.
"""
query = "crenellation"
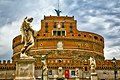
(8, 62)
(4, 62)
(6, 65)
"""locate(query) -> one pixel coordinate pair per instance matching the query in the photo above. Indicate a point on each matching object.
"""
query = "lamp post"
(115, 70)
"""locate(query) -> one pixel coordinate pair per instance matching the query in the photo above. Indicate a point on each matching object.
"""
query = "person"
(27, 34)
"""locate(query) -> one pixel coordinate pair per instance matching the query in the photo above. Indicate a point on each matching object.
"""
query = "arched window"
(85, 68)
(95, 37)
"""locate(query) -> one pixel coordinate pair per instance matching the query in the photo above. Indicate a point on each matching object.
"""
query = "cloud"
(12, 13)
(98, 16)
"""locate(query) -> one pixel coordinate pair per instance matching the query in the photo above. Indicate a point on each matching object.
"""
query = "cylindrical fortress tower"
(59, 35)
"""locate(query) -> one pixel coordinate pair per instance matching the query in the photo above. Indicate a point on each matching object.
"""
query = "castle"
(66, 48)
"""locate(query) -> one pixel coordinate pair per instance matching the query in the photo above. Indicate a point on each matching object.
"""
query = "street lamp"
(115, 70)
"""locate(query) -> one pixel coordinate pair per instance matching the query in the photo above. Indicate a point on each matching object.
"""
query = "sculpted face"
(30, 19)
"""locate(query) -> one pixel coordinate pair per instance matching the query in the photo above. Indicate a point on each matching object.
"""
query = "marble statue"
(60, 72)
(45, 69)
(93, 64)
(28, 35)
(25, 70)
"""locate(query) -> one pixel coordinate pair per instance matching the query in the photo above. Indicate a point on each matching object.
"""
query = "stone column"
(25, 69)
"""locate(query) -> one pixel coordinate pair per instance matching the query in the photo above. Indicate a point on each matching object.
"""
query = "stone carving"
(93, 64)
(60, 45)
(25, 70)
(28, 35)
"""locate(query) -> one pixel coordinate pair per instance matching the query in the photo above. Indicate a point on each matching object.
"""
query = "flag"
(66, 73)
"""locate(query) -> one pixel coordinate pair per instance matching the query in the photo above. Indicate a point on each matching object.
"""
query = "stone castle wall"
(104, 68)
(73, 39)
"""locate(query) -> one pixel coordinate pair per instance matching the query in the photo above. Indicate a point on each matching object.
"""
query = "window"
(85, 68)
(54, 33)
(54, 24)
(46, 27)
(71, 30)
(72, 73)
(84, 35)
(79, 35)
(95, 37)
(49, 72)
(59, 33)
(62, 24)
(63, 33)
(101, 40)
(60, 61)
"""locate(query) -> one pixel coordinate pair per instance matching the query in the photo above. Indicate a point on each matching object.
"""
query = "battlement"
(59, 17)
(74, 62)
(100, 64)
(71, 64)
(7, 64)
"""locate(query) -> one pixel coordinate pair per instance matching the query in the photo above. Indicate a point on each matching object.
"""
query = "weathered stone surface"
(25, 69)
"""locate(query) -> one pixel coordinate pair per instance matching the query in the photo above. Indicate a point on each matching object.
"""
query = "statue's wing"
(56, 10)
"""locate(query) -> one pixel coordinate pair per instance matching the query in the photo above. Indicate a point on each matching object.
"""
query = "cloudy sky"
(98, 16)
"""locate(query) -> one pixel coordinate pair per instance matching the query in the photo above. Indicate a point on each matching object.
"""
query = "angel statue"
(28, 35)
(93, 64)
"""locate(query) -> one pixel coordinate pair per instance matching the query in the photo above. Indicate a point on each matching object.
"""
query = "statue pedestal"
(45, 77)
(25, 69)
(94, 76)
(55, 77)
(77, 78)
